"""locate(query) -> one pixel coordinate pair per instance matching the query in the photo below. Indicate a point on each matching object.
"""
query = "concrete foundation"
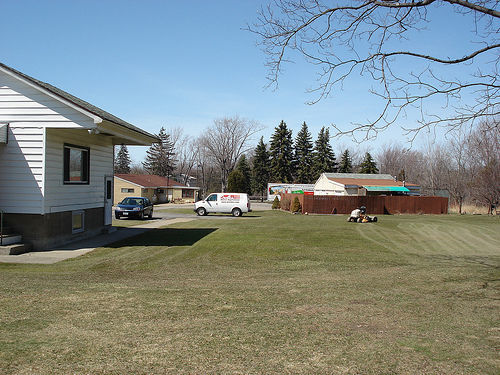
(47, 231)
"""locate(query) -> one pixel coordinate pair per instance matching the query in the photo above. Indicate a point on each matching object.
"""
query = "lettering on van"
(230, 198)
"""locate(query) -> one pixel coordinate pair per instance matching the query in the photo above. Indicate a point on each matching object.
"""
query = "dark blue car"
(134, 207)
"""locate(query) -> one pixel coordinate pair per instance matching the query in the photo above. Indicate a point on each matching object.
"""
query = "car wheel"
(236, 212)
(201, 211)
(141, 215)
(117, 217)
(151, 214)
(375, 219)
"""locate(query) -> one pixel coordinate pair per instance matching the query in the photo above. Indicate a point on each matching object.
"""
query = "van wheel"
(201, 211)
(236, 212)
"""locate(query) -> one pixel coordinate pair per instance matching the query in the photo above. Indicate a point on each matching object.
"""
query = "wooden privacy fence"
(377, 205)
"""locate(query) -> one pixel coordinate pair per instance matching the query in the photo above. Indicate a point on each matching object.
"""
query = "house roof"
(357, 182)
(79, 102)
(376, 181)
(359, 176)
(151, 181)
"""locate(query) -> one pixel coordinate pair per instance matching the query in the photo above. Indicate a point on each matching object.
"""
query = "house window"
(187, 193)
(160, 191)
(127, 190)
(77, 222)
(76, 164)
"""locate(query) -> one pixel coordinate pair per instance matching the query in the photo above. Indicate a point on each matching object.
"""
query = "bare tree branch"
(362, 37)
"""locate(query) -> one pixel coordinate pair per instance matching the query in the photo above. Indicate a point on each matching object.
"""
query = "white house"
(56, 161)
(362, 184)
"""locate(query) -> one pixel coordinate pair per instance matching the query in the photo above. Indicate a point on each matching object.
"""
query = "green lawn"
(270, 294)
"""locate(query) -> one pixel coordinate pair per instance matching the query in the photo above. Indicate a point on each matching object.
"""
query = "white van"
(234, 203)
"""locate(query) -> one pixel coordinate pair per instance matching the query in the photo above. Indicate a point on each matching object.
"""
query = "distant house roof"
(151, 181)
(354, 182)
(79, 102)
(359, 176)
(366, 180)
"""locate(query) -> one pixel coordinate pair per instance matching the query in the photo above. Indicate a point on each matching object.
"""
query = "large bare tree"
(484, 150)
(400, 162)
(226, 140)
(377, 40)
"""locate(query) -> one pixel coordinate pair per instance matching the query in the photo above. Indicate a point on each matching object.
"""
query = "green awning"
(386, 188)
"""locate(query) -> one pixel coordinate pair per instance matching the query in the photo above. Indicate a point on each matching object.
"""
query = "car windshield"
(132, 202)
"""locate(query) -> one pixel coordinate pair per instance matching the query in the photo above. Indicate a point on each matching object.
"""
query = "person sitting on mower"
(355, 214)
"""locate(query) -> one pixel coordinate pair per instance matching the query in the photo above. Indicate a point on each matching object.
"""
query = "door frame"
(108, 199)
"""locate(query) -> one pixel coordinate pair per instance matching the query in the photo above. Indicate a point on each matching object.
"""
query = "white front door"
(108, 200)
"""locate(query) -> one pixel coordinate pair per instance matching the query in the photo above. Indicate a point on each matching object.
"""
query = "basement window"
(76, 165)
(77, 222)
(127, 190)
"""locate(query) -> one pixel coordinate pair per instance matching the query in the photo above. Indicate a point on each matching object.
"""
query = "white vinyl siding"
(21, 170)
(63, 197)
(29, 113)
(324, 186)
(20, 102)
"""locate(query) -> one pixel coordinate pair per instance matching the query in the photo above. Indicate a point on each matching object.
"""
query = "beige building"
(362, 184)
(158, 189)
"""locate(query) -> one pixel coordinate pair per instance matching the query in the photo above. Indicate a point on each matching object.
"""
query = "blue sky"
(182, 64)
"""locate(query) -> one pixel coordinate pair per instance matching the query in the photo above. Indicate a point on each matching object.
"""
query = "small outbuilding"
(357, 184)
(157, 188)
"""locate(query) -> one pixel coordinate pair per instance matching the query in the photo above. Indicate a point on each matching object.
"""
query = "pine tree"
(260, 170)
(324, 157)
(236, 182)
(244, 168)
(122, 160)
(160, 156)
(303, 156)
(368, 165)
(345, 165)
(401, 175)
(281, 151)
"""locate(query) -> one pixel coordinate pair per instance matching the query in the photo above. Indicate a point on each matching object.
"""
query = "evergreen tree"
(368, 165)
(260, 170)
(236, 182)
(401, 175)
(281, 151)
(303, 156)
(345, 165)
(122, 160)
(324, 157)
(244, 168)
(160, 156)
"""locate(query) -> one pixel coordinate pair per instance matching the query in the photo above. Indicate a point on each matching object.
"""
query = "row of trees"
(224, 158)
(467, 165)
(226, 148)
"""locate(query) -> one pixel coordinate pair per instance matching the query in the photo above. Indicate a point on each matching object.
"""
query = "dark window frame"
(85, 165)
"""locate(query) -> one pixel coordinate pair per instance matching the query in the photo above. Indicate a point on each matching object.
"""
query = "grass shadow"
(165, 237)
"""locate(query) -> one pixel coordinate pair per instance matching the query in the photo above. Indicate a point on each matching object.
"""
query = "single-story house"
(158, 189)
(56, 161)
(362, 184)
